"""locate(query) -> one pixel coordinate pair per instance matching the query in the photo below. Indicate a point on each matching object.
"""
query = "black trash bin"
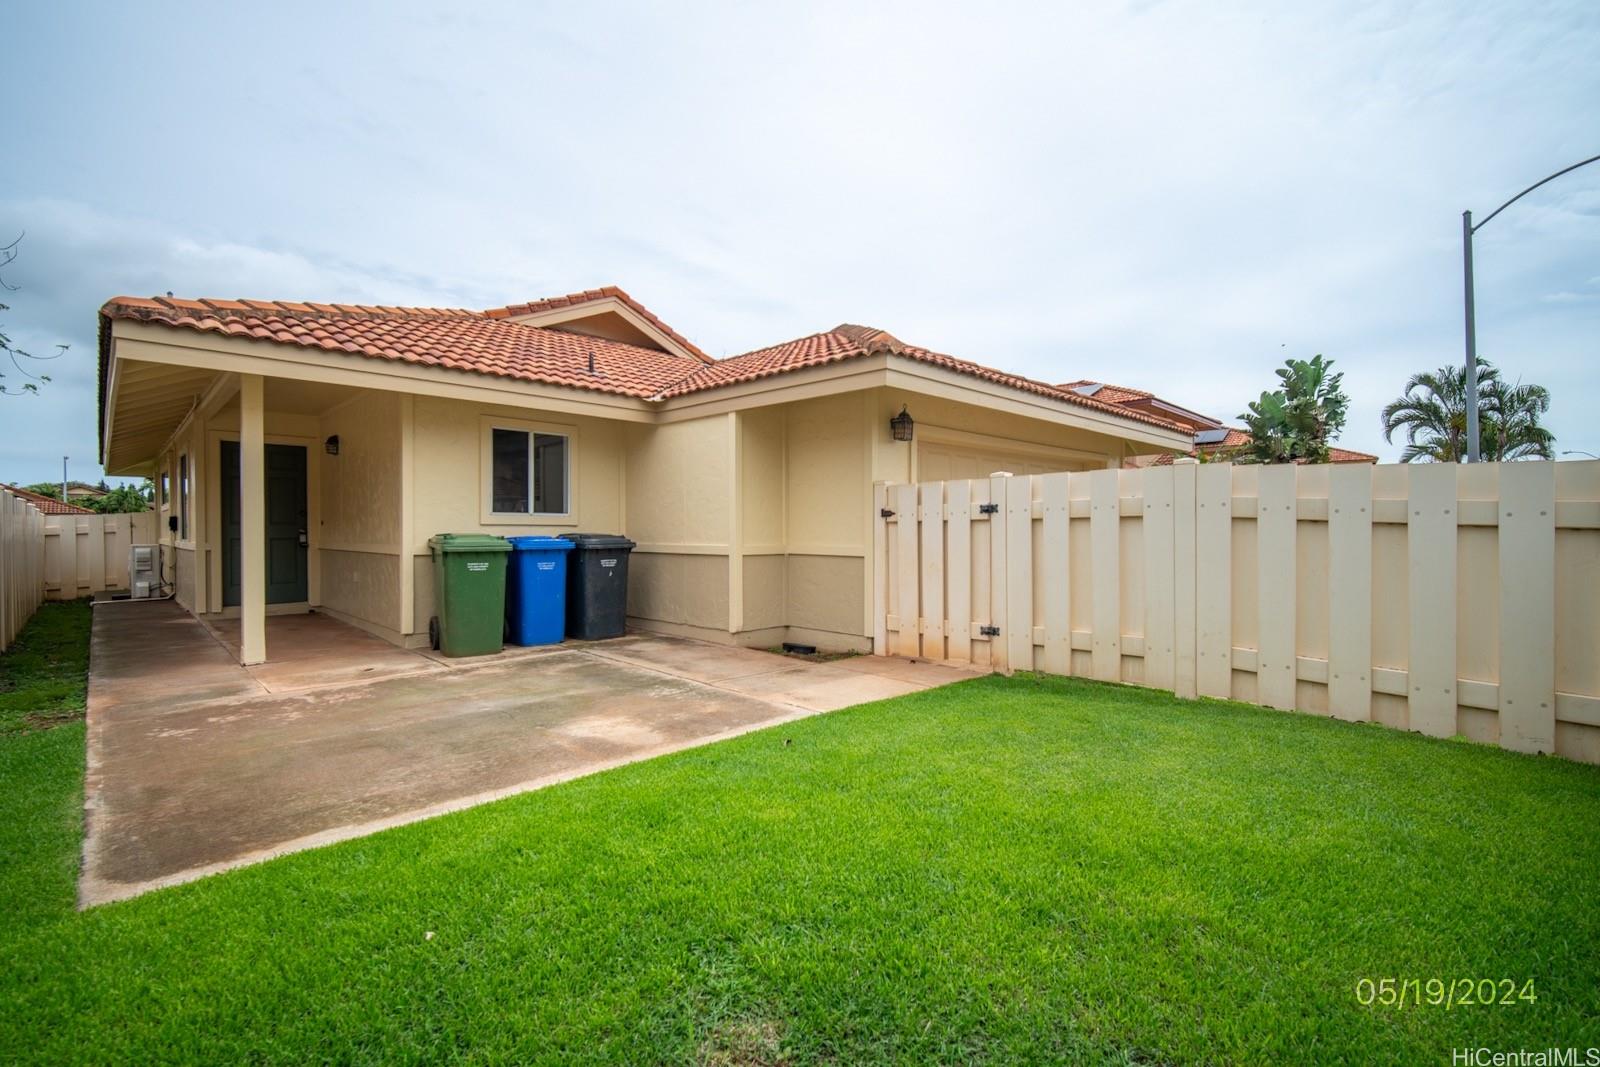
(597, 586)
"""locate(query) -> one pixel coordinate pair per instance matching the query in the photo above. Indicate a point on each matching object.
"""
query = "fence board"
(880, 570)
(1213, 531)
(958, 572)
(1184, 633)
(1350, 592)
(999, 659)
(905, 509)
(1105, 518)
(1159, 588)
(1018, 627)
(1057, 573)
(1431, 555)
(1276, 517)
(932, 569)
(1527, 607)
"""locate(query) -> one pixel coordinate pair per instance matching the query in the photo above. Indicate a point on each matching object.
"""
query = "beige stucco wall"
(826, 593)
(679, 590)
(678, 504)
(184, 564)
(357, 538)
(446, 492)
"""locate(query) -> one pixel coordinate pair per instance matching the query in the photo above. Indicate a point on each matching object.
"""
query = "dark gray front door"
(287, 581)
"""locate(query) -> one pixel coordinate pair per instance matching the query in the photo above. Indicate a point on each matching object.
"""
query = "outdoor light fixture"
(900, 425)
(331, 445)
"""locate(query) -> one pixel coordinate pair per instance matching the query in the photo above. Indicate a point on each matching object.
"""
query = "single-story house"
(1211, 437)
(306, 452)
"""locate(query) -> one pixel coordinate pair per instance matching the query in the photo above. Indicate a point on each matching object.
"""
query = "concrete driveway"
(196, 764)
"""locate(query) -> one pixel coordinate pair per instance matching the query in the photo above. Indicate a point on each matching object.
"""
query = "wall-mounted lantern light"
(900, 426)
(331, 445)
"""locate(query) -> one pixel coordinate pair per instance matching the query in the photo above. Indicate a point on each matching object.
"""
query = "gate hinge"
(885, 513)
(989, 631)
(988, 509)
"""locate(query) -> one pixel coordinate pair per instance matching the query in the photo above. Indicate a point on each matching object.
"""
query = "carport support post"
(252, 522)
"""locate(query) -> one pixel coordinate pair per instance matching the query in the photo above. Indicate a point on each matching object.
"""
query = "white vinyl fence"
(61, 557)
(21, 564)
(88, 554)
(1434, 597)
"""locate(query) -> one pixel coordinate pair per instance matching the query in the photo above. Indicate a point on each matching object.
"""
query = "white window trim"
(487, 424)
(183, 482)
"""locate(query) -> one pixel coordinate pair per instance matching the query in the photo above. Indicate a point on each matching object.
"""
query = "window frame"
(185, 480)
(487, 424)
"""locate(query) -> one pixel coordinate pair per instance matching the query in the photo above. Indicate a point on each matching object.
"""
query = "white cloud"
(1170, 195)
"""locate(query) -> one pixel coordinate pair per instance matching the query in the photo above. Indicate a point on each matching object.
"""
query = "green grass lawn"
(1007, 870)
(44, 674)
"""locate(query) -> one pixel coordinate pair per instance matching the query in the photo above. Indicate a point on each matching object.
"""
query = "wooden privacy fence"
(1434, 597)
(21, 564)
(88, 554)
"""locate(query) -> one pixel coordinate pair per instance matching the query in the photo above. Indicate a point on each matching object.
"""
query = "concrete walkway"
(196, 764)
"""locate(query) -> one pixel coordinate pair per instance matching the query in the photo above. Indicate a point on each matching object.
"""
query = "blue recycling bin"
(536, 590)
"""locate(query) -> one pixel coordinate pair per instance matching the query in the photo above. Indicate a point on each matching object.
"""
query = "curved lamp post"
(1467, 230)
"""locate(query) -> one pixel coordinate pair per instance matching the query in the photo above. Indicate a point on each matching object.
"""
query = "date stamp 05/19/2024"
(1446, 993)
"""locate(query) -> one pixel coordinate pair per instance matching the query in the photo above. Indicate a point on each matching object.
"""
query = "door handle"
(304, 540)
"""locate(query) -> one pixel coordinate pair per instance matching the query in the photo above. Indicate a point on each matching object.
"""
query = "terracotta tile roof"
(49, 505)
(1111, 394)
(589, 296)
(451, 338)
(1237, 438)
(847, 341)
(490, 343)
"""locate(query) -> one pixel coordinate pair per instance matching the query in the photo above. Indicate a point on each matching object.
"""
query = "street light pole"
(1472, 339)
(1467, 230)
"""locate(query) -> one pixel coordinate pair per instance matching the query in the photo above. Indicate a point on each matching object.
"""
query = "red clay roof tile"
(487, 342)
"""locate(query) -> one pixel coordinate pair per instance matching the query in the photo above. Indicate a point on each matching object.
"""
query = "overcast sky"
(1160, 195)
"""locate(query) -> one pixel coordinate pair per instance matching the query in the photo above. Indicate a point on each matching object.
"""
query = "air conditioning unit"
(144, 571)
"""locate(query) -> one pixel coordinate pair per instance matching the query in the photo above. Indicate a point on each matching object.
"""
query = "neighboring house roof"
(490, 342)
(1139, 400)
(590, 296)
(1210, 435)
(1231, 437)
(49, 505)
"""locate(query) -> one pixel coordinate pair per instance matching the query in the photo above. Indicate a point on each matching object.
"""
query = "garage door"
(939, 462)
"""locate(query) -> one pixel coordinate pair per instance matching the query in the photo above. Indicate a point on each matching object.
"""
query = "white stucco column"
(252, 522)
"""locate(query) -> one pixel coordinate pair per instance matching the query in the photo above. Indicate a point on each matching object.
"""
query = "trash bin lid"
(450, 542)
(541, 543)
(598, 540)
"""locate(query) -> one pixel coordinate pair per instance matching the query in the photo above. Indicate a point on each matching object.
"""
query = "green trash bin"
(469, 592)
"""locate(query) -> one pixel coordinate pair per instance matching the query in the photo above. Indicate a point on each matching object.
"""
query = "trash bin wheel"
(433, 633)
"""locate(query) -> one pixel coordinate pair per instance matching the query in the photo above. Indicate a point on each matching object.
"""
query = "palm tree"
(1433, 414)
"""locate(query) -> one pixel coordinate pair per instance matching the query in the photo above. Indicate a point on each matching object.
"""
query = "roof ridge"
(215, 307)
(589, 296)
